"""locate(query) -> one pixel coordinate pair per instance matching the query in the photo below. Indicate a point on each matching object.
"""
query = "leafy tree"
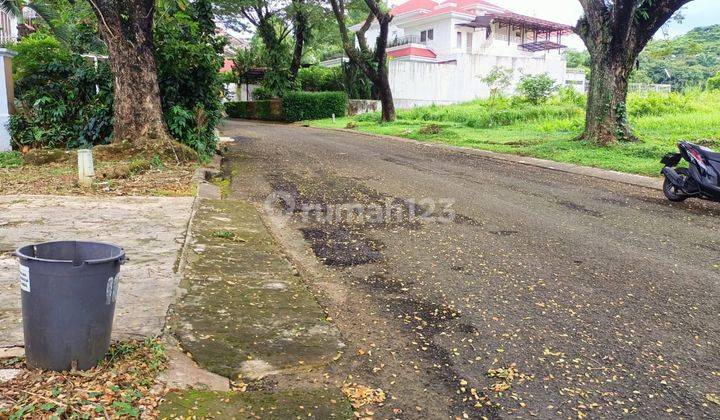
(372, 63)
(274, 22)
(577, 59)
(126, 27)
(498, 79)
(189, 59)
(687, 60)
(615, 32)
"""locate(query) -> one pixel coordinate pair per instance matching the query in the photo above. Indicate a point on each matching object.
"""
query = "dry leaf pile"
(122, 385)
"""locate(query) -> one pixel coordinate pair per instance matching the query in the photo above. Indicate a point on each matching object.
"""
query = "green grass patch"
(12, 159)
(547, 131)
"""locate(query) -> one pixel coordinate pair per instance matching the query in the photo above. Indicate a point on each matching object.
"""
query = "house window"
(426, 35)
(459, 40)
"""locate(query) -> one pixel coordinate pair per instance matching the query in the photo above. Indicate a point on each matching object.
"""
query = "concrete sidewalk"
(151, 229)
(247, 315)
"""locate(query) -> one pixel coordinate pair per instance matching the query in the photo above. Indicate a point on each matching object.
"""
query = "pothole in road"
(580, 208)
(338, 246)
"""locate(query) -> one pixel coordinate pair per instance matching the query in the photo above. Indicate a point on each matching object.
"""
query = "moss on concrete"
(321, 404)
(245, 312)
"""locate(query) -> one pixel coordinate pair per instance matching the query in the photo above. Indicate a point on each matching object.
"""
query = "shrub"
(261, 93)
(270, 110)
(536, 89)
(657, 104)
(189, 59)
(35, 51)
(713, 83)
(321, 79)
(498, 80)
(57, 104)
(236, 109)
(299, 106)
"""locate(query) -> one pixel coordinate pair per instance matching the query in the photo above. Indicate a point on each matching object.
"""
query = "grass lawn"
(511, 125)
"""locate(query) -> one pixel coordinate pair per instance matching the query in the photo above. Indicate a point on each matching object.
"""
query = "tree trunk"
(126, 27)
(382, 80)
(606, 115)
(386, 98)
(301, 31)
(615, 32)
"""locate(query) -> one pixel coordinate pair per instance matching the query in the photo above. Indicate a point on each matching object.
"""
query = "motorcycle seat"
(709, 154)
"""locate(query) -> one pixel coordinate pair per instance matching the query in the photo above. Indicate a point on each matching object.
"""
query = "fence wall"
(416, 83)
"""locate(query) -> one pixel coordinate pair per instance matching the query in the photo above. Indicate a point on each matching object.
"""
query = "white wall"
(416, 83)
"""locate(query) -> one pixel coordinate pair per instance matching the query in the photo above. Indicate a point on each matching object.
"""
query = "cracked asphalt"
(548, 294)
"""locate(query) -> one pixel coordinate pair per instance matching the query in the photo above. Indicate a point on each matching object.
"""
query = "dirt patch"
(338, 246)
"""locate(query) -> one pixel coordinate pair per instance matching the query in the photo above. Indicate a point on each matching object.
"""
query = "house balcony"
(406, 40)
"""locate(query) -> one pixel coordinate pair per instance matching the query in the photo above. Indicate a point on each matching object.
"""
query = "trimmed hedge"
(236, 109)
(295, 106)
(270, 110)
(298, 106)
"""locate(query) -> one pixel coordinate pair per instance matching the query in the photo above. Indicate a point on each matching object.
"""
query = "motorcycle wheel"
(672, 192)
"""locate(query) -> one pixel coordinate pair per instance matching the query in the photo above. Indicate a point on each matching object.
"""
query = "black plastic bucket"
(69, 289)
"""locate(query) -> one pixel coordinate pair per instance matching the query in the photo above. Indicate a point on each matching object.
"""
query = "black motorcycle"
(700, 179)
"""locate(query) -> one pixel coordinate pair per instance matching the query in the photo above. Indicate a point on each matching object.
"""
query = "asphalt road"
(548, 294)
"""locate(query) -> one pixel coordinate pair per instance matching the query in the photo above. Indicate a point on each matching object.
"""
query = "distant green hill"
(687, 60)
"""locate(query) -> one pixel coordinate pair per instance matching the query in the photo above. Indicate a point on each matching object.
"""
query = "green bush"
(321, 79)
(298, 106)
(57, 104)
(713, 83)
(261, 93)
(536, 89)
(236, 109)
(269, 110)
(189, 59)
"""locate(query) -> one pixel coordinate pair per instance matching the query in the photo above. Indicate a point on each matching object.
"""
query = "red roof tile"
(411, 51)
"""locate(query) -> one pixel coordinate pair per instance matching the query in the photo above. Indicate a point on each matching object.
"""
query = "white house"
(440, 52)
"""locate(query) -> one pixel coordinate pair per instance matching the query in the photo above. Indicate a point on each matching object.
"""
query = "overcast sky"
(697, 13)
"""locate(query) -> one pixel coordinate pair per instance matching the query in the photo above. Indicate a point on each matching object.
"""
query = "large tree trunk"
(615, 32)
(382, 81)
(361, 57)
(606, 115)
(301, 31)
(126, 27)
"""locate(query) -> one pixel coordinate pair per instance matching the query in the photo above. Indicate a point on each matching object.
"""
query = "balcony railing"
(405, 40)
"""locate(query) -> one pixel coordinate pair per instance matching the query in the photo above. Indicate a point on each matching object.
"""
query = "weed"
(225, 234)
